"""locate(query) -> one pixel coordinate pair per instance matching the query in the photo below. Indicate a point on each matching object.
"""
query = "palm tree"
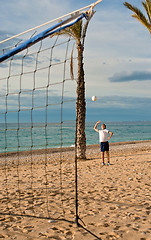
(78, 32)
(145, 20)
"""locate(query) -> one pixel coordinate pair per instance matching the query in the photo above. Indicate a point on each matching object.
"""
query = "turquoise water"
(24, 137)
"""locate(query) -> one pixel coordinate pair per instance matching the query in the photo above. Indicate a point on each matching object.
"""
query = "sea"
(22, 137)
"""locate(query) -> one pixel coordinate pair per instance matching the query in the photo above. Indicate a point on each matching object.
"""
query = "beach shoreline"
(71, 149)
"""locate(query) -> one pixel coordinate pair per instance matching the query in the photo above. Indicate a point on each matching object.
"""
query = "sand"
(37, 194)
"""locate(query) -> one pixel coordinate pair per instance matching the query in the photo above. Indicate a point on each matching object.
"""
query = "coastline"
(71, 149)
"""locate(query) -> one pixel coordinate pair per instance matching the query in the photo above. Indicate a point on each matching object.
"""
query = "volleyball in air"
(94, 98)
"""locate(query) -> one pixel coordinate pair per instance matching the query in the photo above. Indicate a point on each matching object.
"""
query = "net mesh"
(37, 113)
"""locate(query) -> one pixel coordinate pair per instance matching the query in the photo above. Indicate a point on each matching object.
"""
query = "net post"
(76, 193)
(76, 174)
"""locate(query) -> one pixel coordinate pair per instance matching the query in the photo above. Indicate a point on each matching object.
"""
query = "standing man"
(104, 144)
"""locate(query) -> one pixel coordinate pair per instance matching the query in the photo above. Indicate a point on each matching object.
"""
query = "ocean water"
(24, 137)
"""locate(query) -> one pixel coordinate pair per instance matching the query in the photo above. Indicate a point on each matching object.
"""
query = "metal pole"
(76, 175)
(76, 159)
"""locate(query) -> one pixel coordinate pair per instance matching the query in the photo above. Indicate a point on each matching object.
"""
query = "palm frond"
(73, 31)
(86, 26)
(138, 15)
(76, 29)
(147, 7)
(71, 65)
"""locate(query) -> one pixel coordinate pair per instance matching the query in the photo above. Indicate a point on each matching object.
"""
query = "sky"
(117, 56)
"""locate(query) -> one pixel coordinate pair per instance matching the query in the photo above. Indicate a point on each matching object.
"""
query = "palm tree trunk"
(80, 106)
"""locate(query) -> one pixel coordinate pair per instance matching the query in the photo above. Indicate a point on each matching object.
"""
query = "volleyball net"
(37, 113)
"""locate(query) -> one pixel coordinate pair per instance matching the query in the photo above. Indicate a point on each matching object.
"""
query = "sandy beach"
(37, 194)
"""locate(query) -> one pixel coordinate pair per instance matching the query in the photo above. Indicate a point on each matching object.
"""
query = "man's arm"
(95, 127)
(111, 133)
